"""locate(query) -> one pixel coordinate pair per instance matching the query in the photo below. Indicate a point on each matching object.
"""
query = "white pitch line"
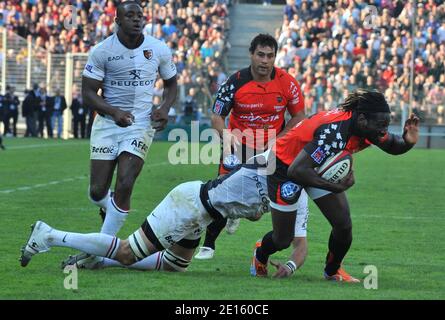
(43, 145)
(41, 185)
(402, 217)
(51, 183)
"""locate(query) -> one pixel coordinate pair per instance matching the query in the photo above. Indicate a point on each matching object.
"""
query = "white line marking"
(40, 185)
(43, 145)
(51, 183)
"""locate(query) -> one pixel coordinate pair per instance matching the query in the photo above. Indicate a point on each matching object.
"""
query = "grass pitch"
(397, 205)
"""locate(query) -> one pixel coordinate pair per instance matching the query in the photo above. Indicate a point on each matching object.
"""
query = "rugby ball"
(336, 167)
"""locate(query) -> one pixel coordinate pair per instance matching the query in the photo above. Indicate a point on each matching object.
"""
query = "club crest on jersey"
(318, 155)
(279, 99)
(148, 54)
(289, 190)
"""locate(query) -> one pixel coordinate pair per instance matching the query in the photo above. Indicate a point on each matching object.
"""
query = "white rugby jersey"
(129, 75)
(240, 194)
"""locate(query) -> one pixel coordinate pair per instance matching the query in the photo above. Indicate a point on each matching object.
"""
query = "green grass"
(397, 206)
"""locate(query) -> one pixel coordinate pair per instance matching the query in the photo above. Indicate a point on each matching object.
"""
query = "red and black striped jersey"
(258, 106)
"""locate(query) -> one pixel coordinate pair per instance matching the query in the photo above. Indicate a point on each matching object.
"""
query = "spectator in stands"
(44, 114)
(30, 110)
(11, 105)
(79, 113)
(190, 107)
(57, 105)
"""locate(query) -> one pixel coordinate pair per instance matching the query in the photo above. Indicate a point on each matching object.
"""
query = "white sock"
(152, 262)
(97, 244)
(114, 219)
(102, 203)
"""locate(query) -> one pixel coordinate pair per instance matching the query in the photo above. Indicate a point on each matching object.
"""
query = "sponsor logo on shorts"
(231, 161)
(263, 195)
(137, 144)
(318, 155)
(169, 240)
(102, 149)
(289, 190)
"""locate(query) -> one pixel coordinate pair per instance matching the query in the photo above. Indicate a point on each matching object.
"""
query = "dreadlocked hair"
(365, 101)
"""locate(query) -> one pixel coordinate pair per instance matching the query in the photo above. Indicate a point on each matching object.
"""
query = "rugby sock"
(98, 244)
(102, 203)
(152, 262)
(114, 219)
(267, 248)
(213, 231)
(337, 250)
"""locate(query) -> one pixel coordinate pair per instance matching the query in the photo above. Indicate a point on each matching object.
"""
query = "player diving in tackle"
(167, 239)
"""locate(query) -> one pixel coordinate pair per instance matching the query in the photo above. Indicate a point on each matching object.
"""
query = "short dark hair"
(365, 101)
(121, 6)
(264, 40)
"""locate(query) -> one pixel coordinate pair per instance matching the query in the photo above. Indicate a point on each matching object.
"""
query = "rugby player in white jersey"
(125, 67)
(169, 236)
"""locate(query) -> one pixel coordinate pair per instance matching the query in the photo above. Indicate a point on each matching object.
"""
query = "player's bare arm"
(218, 123)
(302, 172)
(298, 257)
(297, 117)
(160, 115)
(98, 104)
(395, 144)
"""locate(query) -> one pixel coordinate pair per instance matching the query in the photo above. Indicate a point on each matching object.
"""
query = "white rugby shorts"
(302, 216)
(180, 215)
(108, 140)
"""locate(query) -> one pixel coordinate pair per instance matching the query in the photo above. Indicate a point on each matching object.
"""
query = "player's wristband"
(292, 266)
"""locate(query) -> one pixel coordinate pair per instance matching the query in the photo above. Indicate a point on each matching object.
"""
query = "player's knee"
(97, 193)
(125, 254)
(173, 262)
(282, 242)
(124, 184)
(343, 233)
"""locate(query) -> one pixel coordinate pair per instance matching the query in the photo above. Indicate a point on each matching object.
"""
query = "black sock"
(267, 248)
(213, 231)
(338, 247)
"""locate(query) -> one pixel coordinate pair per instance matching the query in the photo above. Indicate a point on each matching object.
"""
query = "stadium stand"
(325, 45)
(195, 31)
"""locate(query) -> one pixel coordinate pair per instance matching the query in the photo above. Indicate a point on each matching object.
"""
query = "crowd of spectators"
(194, 30)
(333, 47)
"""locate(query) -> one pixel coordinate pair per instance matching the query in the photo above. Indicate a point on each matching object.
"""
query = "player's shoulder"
(282, 76)
(104, 46)
(240, 77)
(335, 116)
(155, 44)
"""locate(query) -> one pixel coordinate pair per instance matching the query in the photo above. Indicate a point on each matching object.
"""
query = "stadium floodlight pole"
(152, 17)
(28, 63)
(4, 44)
(413, 48)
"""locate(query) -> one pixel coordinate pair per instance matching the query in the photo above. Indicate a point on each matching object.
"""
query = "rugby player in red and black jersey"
(362, 120)
(255, 99)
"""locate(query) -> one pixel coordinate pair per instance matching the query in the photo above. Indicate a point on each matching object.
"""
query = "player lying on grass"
(360, 121)
(168, 237)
